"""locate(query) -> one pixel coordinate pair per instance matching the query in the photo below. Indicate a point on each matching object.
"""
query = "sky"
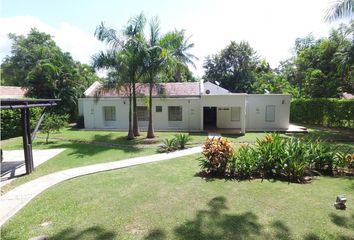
(270, 27)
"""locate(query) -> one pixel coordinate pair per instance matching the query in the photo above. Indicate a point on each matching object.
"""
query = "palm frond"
(340, 9)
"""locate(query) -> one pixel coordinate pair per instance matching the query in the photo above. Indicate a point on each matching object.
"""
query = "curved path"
(16, 199)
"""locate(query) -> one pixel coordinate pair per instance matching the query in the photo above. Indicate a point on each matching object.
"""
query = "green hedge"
(328, 112)
(11, 122)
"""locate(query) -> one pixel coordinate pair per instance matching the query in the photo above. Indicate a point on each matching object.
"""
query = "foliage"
(168, 145)
(217, 152)
(182, 139)
(275, 157)
(37, 63)
(53, 123)
(322, 67)
(325, 112)
(11, 122)
(340, 9)
(244, 164)
(233, 67)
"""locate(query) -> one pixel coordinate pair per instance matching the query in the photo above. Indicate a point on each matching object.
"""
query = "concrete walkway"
(13, 164)
(16, 199)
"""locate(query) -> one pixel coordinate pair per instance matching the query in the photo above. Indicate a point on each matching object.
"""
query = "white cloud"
(82, 45)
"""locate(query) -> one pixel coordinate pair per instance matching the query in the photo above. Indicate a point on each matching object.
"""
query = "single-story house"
(186, 106)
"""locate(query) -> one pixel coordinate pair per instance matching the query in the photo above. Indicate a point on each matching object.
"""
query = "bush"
(11, 122)
(273, 157)
(168, 145)
(217, 152)
(328, 112)
(244, 164)
(53, 123)
(182, 139)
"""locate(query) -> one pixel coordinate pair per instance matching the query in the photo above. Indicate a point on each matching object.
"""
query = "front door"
(210, 117)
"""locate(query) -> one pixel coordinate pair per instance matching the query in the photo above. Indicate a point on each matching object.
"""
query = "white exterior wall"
(223, 117)
(94, 115)
(252, 112)
(256, 111)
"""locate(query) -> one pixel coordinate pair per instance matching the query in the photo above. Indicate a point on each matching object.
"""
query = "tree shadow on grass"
(214, 223)
(95, 232)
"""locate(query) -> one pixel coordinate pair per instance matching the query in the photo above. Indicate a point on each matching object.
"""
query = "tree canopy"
(37, 63)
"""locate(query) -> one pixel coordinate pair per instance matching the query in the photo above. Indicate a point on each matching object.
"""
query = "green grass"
(77, 154)
(166, 200)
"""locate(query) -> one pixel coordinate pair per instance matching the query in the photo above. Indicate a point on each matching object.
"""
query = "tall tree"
(163, 52)
(126, 51)
(340, 9)
(233, 67)
(37, 63)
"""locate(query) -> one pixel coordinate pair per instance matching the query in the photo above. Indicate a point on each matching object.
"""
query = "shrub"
(273, 157)
(328, 112)
(244, 164)
(11, 122)
(53, 123)
(168, 145)
(217, 152)
(182, 139)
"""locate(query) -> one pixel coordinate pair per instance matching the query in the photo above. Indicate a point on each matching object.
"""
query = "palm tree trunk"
(135, 115)
(150, 133)
(130, 131)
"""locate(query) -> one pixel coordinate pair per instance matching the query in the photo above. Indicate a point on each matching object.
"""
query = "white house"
(187, 106)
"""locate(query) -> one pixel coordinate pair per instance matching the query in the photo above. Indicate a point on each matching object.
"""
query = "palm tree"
(125, 58)
(340, 9)
(117, 61)
(135, 32)
(163, 52)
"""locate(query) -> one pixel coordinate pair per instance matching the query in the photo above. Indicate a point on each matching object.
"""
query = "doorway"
(209, 117)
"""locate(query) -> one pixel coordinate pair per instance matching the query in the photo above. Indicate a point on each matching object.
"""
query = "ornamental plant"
(217, 152)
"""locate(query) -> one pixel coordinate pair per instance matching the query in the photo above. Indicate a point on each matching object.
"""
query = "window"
(175, 113)
(143, 114)
(235, 114)
(158, 108)
(270, 113)
(109, 113)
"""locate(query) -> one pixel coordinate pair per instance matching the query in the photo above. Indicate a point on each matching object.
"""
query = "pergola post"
(27, 140)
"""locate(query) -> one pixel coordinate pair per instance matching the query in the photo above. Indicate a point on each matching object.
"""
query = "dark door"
(209, 117)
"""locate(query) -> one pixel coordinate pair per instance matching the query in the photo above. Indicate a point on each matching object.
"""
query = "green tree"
(125, 58)
(37, 63)
(169, 51)
(53, 123)
(233, 67)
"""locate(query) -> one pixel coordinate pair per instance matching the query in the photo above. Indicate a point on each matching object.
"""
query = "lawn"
(166, 200)
(80, 154)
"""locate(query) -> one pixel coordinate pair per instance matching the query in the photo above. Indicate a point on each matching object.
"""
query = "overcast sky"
(271, 26)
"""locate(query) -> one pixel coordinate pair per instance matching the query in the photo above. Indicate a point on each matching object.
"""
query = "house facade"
(189, 106)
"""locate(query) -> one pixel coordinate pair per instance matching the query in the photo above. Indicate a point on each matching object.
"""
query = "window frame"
(170, 114)
(112, 114)
(266, 113)
(142, 117)
(239, 114)
(160, 107)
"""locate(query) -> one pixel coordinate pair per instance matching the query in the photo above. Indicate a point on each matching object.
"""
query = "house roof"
(346, 95)
(12, 92)
(171, 89)
(213, 89)
(142, 89)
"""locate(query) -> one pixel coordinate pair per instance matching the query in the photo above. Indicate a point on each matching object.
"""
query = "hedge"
(11, 122)
(328, 112)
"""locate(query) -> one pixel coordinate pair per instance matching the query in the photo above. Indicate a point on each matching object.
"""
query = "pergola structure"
(25, 105)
